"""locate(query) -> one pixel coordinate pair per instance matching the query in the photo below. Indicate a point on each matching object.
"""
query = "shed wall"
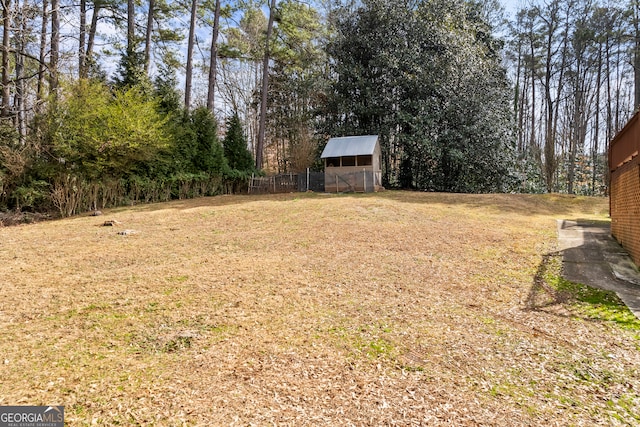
(625, 207)
(624, 165)
(626, 144)
(377, 162)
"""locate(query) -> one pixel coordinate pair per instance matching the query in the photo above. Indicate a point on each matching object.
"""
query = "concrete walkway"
(591, 256)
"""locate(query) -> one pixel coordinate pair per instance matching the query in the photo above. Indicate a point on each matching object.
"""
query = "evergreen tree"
(426, 77)
(235, 147)
(209, 152)
(165, 85)
(295, 87)
(131, 71)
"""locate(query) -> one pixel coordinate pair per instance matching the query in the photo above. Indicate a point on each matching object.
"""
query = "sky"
(512, 5)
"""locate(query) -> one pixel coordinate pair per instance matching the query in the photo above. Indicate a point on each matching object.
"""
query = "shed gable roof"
(350, 146)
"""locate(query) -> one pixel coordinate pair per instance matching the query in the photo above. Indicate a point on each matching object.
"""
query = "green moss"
(593, 303)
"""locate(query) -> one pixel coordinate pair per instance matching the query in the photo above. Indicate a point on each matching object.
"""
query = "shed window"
(365, 160)
(333, 161)
(349, 161)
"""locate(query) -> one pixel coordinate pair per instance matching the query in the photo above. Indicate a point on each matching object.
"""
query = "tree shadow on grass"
(542, 294)
(583, 301)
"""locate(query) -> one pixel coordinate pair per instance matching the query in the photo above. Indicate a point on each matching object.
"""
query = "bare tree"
(6, 48)
(551, 25)
(581, 79)
(43, 52)
(213, 63)
(82, 36)
(189, 71)
(265, 88)
(55, 48)
(22, 19)
(87, 36)
(148, 33)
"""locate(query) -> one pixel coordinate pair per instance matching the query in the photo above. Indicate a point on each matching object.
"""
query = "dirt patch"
(394, 308)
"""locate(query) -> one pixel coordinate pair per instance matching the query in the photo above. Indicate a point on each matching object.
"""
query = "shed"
(624, 198)
(352, 164)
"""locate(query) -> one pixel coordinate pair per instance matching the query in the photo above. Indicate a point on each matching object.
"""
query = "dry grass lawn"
(395, 308)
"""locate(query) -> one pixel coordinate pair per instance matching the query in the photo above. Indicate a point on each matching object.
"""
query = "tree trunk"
(20, 82)
(81, 38)
(549, 140)
(55, 48)
(596, 131)
(532, 61)
(43, 53)
(189, 71)
(551, 103)
(609, 102)
(559, 92)
(265, 87)
(6, 45)
(88, 56)
(147, 42)
(517, 112)
(213, 63)
(575, 137)
(131, 25)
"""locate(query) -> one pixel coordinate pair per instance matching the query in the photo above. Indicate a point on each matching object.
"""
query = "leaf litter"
(395, 308)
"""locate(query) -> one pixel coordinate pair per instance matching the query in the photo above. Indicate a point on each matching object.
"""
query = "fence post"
(364, 179)
(307, 179)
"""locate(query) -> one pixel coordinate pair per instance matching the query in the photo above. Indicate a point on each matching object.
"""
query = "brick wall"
(625, 207)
